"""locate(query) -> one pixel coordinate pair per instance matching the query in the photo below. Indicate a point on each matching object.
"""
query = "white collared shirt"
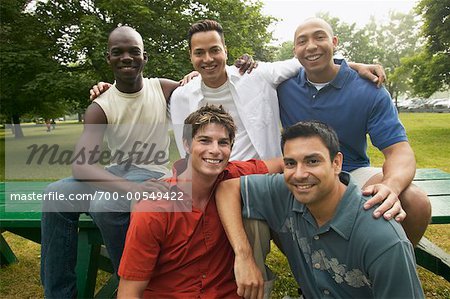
(256, 102)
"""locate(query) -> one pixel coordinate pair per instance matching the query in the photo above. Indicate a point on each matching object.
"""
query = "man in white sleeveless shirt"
(132, 115)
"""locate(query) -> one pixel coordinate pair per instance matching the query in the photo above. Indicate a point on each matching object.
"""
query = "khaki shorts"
(363, 174)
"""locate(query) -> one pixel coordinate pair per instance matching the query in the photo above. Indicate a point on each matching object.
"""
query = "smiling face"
(314, 45)
(209, 150)
(308, 171)
(209, 57)
(127, 58)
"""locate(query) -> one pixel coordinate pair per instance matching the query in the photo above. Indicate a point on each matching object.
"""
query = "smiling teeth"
(304, 187)
(212, 161)
(208, 67)
(312, 58)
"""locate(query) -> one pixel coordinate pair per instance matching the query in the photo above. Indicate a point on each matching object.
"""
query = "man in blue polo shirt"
(354, 107)
(335, 248)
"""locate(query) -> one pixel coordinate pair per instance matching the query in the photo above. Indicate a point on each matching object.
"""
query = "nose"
(214, 148)
(301, 172)
(126, 57)
(311, 46)
(207, 57)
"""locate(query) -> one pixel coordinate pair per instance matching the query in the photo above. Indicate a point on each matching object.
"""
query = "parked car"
(442, 106)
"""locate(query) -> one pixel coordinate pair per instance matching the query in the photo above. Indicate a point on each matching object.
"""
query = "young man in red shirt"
(174, 253)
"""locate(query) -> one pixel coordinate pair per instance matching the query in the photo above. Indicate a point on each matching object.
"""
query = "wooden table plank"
(431, 174)
(440, 209)
(435, 187)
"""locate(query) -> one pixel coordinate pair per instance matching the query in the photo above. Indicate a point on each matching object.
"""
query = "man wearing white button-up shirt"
(251, 99)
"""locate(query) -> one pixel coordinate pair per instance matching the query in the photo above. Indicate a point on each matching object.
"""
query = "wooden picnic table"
(436, 183)
(91, 254)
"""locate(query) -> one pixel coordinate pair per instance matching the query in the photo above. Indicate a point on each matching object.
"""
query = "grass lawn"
(429, 135)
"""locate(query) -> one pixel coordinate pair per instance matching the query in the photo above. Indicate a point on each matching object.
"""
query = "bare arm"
(248, 277)
(398, 172)
(168, 86)
(372, 72)
(90, 143)
(275, 165)
(131, 289)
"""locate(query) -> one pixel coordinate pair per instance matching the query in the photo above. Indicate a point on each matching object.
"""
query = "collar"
(346, 211)
(337, 82)
(195, 86)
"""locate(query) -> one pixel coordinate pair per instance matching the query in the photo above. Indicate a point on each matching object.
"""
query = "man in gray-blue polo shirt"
(335, 247)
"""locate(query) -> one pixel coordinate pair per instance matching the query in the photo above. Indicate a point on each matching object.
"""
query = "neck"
(216, 83)
(130, 86)
(323, 75)
(198, 187)
(324, 210)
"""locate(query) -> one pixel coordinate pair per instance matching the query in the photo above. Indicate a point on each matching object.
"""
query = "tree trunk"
(18, 133)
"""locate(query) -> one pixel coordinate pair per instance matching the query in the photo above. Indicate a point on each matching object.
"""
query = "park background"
(51, 52)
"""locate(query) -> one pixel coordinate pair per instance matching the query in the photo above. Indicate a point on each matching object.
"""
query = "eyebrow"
(314, 33)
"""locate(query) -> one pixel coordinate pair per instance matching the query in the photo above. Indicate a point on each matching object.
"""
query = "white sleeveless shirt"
(138, 126)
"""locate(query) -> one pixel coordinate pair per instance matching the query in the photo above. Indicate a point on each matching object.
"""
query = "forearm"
(228, 202)
(130, 289)
(399, 167)
(102, 179)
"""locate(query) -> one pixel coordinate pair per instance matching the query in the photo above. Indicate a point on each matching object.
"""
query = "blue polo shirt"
(352, 256)
(353, 106)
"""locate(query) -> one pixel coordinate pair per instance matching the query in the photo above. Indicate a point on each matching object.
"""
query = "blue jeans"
(59, 227)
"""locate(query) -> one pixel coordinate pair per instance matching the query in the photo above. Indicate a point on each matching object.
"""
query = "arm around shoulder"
(168, 86)
(248, 277)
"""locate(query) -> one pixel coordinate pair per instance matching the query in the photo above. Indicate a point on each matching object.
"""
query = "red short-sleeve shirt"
(184, 254)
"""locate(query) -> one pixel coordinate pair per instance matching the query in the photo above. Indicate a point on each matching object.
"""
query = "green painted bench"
(436, 183)
(26, 222)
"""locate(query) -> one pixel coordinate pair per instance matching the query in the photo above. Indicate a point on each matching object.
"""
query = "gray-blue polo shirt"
(352, 256)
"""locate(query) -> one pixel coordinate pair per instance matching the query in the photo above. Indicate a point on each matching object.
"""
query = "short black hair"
(204, 26)
(313, 129)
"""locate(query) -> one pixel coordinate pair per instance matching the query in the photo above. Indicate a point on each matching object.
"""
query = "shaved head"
(125, 31)
(317, 21)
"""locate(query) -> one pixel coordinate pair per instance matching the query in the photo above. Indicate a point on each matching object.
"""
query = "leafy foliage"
(53, 51)
(430, 69)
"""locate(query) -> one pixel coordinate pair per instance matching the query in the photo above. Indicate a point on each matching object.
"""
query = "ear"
(186, 146)
(107, 57)
(337, 163)
(145, 56)
(335, 42)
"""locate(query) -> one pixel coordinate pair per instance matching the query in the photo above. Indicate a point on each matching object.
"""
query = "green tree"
(285, 51)
(396, 40)
(430, 69)
(53, 51)
(33, 81)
